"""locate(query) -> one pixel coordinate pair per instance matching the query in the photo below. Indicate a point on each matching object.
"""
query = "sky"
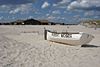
(65, 11)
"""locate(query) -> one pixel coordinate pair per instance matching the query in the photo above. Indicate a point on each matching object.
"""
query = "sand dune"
(24, 46)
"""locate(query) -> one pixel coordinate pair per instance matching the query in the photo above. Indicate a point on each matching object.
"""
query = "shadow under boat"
(89, 46)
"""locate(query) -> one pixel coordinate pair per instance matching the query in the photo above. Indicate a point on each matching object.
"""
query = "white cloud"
(76, 16)
(13, 9)
(84, 19)
(13, 18)
(96, 17)
(73, 5)
(23, 9)
(51, 17)
(56, 12)
(4, 8)
(85, 4)
(92, 13)
(1, 17)
(47, 14)
(62, 4)
(55, 18)
(89, 13)
(45, 5)
(65, 1)
(30, 17)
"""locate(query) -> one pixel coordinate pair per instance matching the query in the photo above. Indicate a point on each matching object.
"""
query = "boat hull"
(69, 38)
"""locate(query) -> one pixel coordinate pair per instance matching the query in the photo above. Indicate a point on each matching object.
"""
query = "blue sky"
(67, 11)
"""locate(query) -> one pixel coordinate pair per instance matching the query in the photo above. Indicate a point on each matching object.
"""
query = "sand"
(24, 46)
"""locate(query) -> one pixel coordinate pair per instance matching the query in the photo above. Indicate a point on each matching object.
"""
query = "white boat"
(70, 38)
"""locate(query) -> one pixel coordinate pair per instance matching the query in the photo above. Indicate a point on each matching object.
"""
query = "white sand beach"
(24, 46)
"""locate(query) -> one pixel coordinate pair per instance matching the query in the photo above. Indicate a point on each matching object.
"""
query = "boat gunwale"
(63, 32)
